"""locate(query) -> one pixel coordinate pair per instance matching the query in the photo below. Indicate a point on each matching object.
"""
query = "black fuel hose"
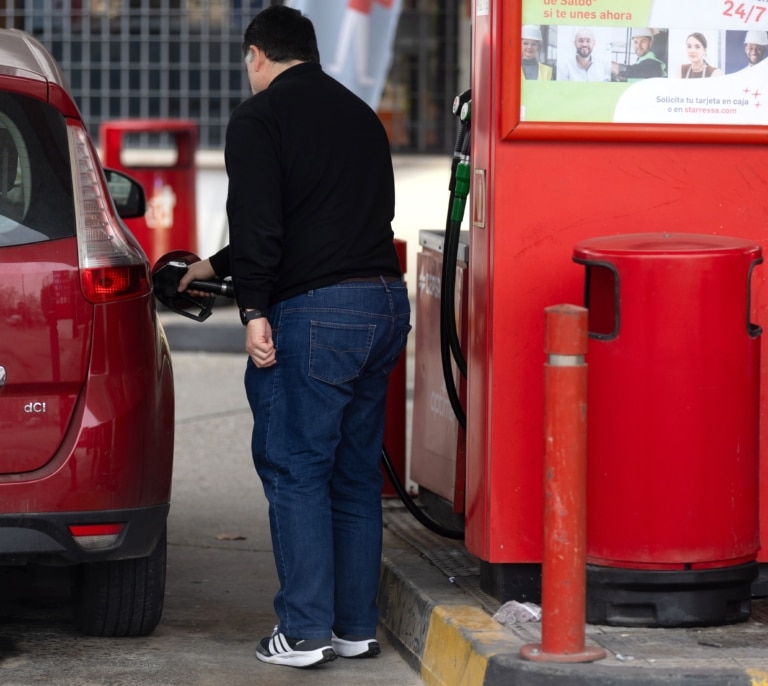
(448, 322)
(450, 345)
(411, 506)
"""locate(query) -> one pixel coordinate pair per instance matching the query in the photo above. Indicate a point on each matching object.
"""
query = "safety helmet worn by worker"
(756, 37)
(642, 33)
(531, 32)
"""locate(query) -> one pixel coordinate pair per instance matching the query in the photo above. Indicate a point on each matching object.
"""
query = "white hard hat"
(756, 37)
(642, 33)
(531, 32)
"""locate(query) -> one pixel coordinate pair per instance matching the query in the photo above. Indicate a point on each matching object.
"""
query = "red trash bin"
(168, 177)
(673, 421)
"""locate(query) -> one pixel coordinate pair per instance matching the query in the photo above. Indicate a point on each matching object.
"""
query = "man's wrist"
(248, 315)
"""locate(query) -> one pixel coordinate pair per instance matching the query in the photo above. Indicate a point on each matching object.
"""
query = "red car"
(86, 385)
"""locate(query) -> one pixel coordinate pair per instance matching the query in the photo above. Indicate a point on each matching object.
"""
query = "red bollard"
(563, 580)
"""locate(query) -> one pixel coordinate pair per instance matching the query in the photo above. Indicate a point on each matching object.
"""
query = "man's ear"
(257, 57)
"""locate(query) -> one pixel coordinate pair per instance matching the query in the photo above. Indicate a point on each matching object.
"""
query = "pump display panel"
(657, 69)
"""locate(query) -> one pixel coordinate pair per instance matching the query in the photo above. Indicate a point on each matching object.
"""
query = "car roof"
(27, 67)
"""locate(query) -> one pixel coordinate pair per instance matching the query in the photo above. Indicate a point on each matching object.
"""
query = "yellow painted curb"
(451, 658)
(759, 677)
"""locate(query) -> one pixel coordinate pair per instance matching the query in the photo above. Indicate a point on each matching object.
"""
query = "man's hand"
(197, 271)
(258, 342)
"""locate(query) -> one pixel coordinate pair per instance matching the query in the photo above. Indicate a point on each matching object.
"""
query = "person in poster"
(647, 65)
(755, 43)
(533, 69)
(356, 27)
(696, 49)
(584, 65)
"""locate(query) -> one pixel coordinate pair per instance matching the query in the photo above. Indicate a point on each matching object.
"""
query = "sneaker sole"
(355, 649)
(298, 658)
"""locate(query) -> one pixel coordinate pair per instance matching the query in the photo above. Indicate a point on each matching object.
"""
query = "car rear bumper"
(46, 538)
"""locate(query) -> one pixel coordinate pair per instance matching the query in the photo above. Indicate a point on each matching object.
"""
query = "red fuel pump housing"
(540, 187)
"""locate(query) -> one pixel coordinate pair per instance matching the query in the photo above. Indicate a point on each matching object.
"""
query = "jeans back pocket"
(339, 352)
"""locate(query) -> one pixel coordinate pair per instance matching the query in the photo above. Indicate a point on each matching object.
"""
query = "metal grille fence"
(145, 58)
(181, 59)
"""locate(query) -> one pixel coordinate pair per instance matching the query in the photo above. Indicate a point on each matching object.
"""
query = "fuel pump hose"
(411, 506)
(450, 346)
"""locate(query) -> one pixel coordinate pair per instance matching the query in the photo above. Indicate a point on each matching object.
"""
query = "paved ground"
(221, 576)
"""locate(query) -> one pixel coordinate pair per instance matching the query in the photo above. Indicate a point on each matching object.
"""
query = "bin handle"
(604, 335)
(753, 330)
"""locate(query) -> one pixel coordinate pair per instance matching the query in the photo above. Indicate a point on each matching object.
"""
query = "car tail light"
(96, 536)
(112, 267)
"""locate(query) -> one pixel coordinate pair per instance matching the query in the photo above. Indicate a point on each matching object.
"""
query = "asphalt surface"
(220, 575)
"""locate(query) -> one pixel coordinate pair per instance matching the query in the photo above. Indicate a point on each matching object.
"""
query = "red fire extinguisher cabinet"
(673, 416)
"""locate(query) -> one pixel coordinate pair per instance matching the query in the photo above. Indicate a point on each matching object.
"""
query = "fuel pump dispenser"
(572, 155)
(439, 418)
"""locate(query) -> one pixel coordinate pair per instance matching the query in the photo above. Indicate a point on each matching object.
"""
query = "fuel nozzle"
(461, 175)
(457, 108)
(166, 276)
(460, 148)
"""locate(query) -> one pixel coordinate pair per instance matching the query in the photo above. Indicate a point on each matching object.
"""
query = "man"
(318, 281)
(647, 65)
(755, 43)
(584, 65)
(532, 68)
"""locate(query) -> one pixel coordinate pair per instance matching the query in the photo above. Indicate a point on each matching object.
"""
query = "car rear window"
(36, 201)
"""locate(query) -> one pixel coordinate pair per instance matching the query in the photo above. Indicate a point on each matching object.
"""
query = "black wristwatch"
(249, 315)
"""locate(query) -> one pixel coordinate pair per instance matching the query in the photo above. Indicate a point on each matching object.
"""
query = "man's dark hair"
(282, 34)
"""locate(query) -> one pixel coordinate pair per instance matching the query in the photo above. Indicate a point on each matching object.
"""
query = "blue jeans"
(318, 429)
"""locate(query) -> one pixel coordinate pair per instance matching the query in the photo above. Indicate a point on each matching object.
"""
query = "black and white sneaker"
(355, 646)
(279, 649)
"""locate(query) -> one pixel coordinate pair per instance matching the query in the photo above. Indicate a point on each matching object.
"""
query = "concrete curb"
(450, 641)
(442, 634)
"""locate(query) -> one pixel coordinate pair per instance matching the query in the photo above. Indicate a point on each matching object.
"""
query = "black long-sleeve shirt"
(311, 190)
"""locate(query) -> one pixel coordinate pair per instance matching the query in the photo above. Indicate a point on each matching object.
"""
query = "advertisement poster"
(644, 61)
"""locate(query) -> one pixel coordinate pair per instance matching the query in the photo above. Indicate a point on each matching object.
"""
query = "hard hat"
(756, 37)
(532, 32)
(642, 33)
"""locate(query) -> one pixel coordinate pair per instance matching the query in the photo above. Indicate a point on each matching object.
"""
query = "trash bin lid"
(660, 244)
